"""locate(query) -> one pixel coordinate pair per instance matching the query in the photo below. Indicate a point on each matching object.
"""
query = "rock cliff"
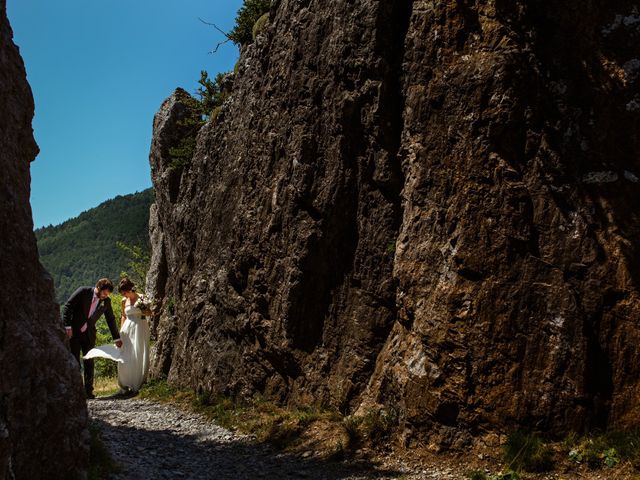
(427, 207)
(43, 414)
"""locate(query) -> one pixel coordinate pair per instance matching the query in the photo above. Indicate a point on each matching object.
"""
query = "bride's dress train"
(133, 356)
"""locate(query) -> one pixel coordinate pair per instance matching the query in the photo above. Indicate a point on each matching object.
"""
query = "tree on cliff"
(207, 106)
(251, 18)
(210, 92)
(248, 15)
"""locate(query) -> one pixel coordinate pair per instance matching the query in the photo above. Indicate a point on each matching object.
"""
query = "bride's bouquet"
(142, 304)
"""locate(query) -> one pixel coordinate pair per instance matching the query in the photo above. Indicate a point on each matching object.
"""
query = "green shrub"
(477, 475)
(171, 306)
(372, 426)
(526, 451)
(351, 426)
(248, 15)
(391, 248)
(182, 153)
(611, 457)
(210, 92)
(214, 114)
(259, 25)
(627, 445)
(606, 450)
(210, 98)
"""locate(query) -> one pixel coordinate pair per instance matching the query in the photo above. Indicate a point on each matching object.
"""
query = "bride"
(133, 356)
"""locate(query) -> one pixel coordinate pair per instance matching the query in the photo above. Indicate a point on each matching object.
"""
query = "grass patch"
(260, 417)
(373, 426)
(104, 386)
(159, 390)
(101, 465)
(283, 427)
(526, 451)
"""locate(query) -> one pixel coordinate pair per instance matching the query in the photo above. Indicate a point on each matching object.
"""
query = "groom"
(80, 313)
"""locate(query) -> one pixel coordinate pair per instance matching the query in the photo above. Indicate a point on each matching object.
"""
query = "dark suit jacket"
(76, 312)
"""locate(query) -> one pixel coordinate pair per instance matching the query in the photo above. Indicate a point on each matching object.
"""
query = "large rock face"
(427, 206)
(43, 414)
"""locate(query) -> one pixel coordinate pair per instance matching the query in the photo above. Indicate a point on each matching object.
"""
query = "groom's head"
(104, 287)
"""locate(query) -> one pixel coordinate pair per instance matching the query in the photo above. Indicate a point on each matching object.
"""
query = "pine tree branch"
(221, 31)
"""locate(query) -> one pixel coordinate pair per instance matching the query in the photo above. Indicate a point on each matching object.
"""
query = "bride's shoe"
(123, 392)
(126, 392)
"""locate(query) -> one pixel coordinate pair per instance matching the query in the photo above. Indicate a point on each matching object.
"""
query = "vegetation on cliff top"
(248, 15)
(209, 98)
(251, 18)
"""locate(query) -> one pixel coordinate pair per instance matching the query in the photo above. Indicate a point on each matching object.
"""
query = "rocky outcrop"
(43, 414)
(516, 260)
(427, 207)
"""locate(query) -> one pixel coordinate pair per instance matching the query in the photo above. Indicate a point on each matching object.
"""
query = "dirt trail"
(152, 440)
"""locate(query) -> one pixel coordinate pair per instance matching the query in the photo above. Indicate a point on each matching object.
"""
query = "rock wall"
(429, 207)
(43, 414)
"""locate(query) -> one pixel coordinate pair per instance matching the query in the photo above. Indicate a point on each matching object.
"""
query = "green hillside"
(83, 249)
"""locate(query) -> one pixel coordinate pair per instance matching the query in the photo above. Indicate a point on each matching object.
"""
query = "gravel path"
(152, 440)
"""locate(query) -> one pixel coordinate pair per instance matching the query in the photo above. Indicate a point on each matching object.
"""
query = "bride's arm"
(123, 317)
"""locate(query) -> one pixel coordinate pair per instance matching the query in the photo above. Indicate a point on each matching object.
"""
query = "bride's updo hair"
(126, 285)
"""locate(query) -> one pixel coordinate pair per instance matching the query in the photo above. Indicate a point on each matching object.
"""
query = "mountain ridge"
(84, 248)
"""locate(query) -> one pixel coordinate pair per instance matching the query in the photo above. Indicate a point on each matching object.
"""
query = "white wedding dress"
(133, 356)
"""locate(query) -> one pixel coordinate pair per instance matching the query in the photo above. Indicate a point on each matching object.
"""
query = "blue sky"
(99, 70)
